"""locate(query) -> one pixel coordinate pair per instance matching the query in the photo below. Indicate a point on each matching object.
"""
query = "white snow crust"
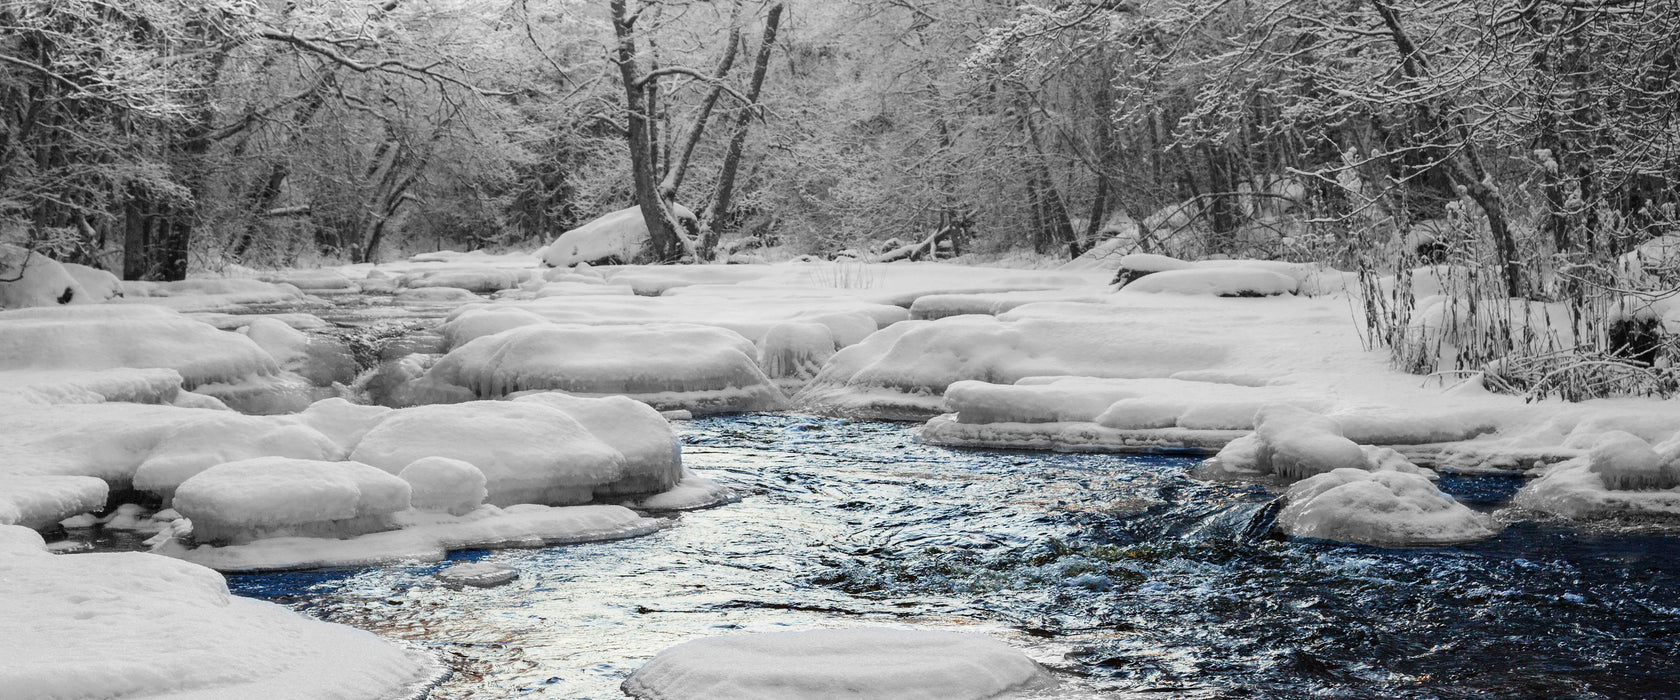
(837, 663)
(252, 499)
(41, 501)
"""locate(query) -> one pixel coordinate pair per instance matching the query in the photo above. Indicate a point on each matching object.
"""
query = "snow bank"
(429, 537)
(159, 627)
(209, 293)
(482, 280)
(618, 236)
(901, 372)
(266, 497)
(41, 501)
(528, 452)
(863, 663)
(154, 385)
(1382, 508)
(443, 484)
(107, 337)
(32, 279)
(697, 368)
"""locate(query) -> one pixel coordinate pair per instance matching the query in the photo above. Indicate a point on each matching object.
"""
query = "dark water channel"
(1122, 574)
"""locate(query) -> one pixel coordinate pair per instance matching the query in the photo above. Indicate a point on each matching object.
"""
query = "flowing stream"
(1120, 573)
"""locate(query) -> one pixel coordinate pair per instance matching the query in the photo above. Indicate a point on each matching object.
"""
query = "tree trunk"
(711, 224)
(641, 136)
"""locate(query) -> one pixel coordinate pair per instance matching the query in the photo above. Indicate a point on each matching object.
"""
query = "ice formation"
(834, 663)
(166, 628)
(472, 279)
(528, 452)
(436, 295)
(267, 497)
(618, 236)
(1383, 508)
(41, 501)
(477, 574)
(1621, 475)
(697, 368)
(443, 484)
(693, 492)
(794, 352)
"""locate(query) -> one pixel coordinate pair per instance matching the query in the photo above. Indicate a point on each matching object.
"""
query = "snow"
(41, 501)
(1383, 508)
(693, 492)
(617, 236)
(443, 484)
(651, 449)
(436, 295)
(341, 421)
(481, 280)
(478, 574)
(1621, 475)
(698, 368)
(1224, 282)
(424, 536)
(832, 663)
(160, 627)
(33, 279)
(197, 442)
(288, 346)
(252, 499)
(154, 385)
(99, 285)
(528, 452)
(934, 306)
(313, 281)
(108, 337)
(792, 353)
(209, 293)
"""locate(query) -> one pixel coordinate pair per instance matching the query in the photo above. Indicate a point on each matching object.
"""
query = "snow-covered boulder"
(30, 279)
(834, 663)
(107, 336)
(1382, 508)
(651, 449)
(477, 574)
(41, 501)
(697, 368)
(100, 285)
(1621, 475)
(479, 321)
(199, 442)
(617, 237)
(1231, 281)
(443, 484)
(439, 295)
(482, 280)
(209, 293)
(280, 497)
(528, 452)
(166, 628)
(1297, 443)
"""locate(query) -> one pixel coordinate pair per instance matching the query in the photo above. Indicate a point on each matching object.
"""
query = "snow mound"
(265, 497)
(651, 449)
(477, 322)
(1382, 508)
(436, 295)
(288, 345)
(477, 574)
(209, 293)
(341, 421)
(697, 368)
(32, 279)
(314, 281)
(443, 484)
(936, 306)
(101, 286)
(427, 536)
(108, 337)
(1620, 476)
(860, 663)
(199, 442)
(528, 452)
(1232, 281)
(41, 501)
(795, 351)
(618, 237)
(166, 628)
(154, 385)
(1296, 443)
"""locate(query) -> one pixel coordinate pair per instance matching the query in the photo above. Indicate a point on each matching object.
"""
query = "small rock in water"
(480, 574)
(1095, 582)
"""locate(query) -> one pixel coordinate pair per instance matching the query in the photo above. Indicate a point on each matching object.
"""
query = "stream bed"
(1120, 573)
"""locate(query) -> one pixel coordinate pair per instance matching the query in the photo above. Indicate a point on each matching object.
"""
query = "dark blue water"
(1122, 574)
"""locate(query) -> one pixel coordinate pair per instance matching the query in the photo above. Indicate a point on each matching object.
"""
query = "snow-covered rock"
(528, 452)
(618, 236)
(252, 499)
(697, 368)
(1621, 475)
(651, 449)
(1383, 508)
(101, 286)
(106, 337)
(41, 501)
(31, 279)
(166, 628)
(834, 663)
(1216, 281)
(478, 574)
(199, 442)
(443, 484)
(473, 279)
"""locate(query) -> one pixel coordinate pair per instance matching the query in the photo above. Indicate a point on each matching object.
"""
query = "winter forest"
(802, 349)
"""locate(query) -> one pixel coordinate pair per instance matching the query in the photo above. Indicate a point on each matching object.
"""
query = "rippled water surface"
(1121, 573)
